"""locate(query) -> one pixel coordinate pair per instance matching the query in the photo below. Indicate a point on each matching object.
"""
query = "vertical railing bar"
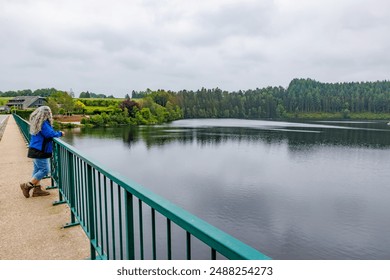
(120, 223)
(213, 254)
(68, 191)
(90, 209)
(81, 212)
(71, 175)
(80, 187)
(129, 212)
(141, 229)
(66, 175)
(61, 168)
(188, 238)
(84, 191)
(61, 173)
(94, 206)
(112, 219)
(78, 183)
(154, 233)
(60, 183)
(75, 181)
(79, 190)
(169, 239)
(106, 217)
(94, 217)
(70, 185)
(81, 175)
(101, 212)
(53, 169)
(64, 171)
(82, 204)
(85, 201)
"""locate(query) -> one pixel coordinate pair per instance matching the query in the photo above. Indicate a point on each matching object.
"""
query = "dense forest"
(45, 92)
(303, 97)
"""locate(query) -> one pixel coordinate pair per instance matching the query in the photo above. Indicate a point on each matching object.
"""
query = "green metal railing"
(124, 220)
(24, 127)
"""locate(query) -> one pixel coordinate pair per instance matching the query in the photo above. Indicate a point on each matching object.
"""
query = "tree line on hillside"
(46, 92)
(87, 94)
(312, 96)
(301, 96)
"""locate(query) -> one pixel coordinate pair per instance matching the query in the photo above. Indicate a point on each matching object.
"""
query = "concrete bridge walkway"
(31, 228)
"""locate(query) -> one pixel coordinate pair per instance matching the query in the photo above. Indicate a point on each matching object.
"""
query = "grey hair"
(37, 118)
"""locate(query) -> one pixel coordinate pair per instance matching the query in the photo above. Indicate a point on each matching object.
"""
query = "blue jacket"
(41, 144)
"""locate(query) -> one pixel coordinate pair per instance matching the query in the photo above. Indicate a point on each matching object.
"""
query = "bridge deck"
(31, 228)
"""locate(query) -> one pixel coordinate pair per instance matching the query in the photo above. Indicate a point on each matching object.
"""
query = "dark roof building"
(26, 102)
(4, 109)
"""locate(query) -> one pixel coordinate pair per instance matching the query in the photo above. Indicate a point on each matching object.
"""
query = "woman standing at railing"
(40, 149)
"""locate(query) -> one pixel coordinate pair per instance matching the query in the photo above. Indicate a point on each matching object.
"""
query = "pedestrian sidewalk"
(32, 228)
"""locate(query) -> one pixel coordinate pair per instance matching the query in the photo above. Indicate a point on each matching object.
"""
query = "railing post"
(188, 245)
(71, 189)
(154, 250)
(57, 158)
(53, 168)
(91, 210)
(112, 219)
(129, 226)
(169, 239)
(141, 229)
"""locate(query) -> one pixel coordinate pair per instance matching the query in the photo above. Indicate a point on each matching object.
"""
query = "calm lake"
(314, 190)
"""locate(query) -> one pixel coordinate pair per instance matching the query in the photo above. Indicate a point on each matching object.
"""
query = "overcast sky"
(114, 47)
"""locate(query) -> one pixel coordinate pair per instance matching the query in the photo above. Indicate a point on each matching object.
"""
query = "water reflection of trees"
(296, 138)
(160, 136)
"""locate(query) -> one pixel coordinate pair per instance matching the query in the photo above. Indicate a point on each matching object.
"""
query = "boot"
(39, 192)
(26, 187)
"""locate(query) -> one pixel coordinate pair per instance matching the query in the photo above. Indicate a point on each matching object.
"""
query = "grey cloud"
(172, 44)
(111, 40)
(242, 20)
(59, 50)
(360, 17)
(252, 18)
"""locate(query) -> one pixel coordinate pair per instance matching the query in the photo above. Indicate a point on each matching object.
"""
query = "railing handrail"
(24, 130)
(219, 240)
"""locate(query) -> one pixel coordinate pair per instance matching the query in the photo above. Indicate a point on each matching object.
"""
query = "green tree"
(85, 95)
(64, 100)
(79, 107)
(53, 106)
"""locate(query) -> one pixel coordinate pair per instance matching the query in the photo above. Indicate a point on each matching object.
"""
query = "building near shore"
(26, 102)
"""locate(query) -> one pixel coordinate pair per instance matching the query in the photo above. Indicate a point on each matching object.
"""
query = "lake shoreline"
(63, 123)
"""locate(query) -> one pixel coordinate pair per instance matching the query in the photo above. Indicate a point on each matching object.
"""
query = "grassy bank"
(4, 100)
